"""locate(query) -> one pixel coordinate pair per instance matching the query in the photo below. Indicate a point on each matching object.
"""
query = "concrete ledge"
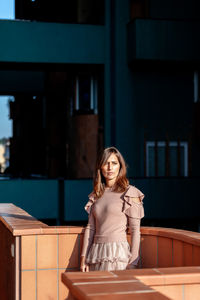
(162, 283)
(42, 42)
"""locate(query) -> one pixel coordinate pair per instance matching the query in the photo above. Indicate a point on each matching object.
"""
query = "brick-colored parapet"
(161, 283)
(28, 230)
(109, 285)
(18, 220)
(176, 234)
(45, 252)
(20, 223)
(167, 247)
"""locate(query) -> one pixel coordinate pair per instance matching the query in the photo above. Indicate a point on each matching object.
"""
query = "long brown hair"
(99, 180)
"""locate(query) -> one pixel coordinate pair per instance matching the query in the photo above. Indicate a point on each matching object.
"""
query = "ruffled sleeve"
(91, 201)
(132, 208)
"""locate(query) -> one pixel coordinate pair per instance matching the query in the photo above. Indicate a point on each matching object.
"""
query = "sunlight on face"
(110, 169)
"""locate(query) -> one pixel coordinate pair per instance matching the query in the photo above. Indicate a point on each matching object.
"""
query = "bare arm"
(134, 227)
(87, 242)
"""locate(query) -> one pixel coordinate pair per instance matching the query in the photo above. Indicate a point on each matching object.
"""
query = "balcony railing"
(33, 257)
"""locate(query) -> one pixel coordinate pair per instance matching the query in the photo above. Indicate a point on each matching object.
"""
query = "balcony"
(56, 43)
(163, 40)
(35, 257)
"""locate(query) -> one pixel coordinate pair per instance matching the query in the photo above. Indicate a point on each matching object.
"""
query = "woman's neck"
(110, 183)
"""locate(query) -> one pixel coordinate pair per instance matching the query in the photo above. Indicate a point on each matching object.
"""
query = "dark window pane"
(151, 161)
(161, 161)
(84, 94)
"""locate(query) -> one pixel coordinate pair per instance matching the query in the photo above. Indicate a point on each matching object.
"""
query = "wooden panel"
(83, 146)
(196, 256)
(164, 252)
(7, 264)
(177, 253)
(187, 254)
(149, 251)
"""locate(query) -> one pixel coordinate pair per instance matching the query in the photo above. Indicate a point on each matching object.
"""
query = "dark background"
(89, 74)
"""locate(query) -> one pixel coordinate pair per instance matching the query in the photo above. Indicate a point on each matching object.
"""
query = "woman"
(113, 206)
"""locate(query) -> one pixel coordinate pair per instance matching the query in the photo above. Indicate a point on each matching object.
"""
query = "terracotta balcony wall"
(33, 257)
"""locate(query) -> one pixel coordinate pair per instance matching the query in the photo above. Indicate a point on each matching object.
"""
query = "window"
(166, 158)
(86, 94)
(196, 86)
(5, 132)
(76, 11)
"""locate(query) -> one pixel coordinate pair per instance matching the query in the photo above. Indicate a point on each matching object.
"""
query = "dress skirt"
(108, 256)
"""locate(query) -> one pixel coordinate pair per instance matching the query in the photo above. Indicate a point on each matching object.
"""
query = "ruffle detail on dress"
(109, 252)
(108, 266)
(132, 208)
(91, 201)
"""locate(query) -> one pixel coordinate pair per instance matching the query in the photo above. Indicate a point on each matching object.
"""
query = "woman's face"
(110, 169)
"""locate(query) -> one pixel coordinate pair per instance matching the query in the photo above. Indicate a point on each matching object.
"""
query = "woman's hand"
(84, 267)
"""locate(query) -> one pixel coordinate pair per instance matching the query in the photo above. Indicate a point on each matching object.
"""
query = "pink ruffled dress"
(105, 243)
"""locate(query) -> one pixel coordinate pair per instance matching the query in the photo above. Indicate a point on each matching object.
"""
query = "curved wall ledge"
(33, 256)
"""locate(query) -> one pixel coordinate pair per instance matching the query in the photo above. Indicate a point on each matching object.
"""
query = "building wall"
(153, 97)
(148, 95)
(164, 107)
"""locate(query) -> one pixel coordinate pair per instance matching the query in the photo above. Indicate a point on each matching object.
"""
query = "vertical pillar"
(107, 75)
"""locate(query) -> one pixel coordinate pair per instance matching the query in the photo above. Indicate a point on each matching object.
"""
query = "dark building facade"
(88, 74)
